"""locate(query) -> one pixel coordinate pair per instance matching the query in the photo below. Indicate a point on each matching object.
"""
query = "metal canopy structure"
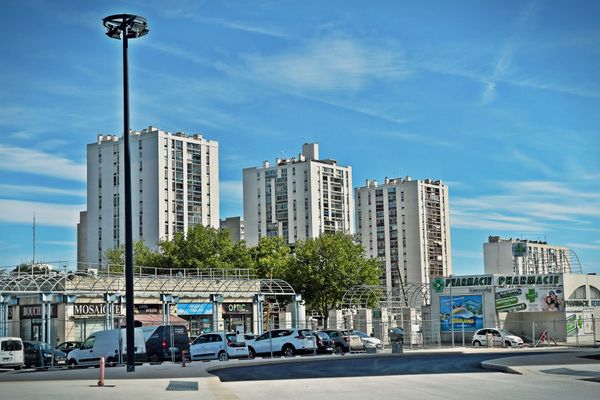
(146, 285)
(410, 295)
(275, 287)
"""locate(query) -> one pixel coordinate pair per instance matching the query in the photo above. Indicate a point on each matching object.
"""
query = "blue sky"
(499, 99)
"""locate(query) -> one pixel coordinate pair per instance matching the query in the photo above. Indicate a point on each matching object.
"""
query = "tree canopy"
(326, 267)
(320, 269)
(272, 258)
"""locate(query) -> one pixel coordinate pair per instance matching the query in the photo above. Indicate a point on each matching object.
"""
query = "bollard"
(101, 381)
(183, 358)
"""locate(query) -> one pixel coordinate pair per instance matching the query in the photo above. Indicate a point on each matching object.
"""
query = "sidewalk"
(572, 364)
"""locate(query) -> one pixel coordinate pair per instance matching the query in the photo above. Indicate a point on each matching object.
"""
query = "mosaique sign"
(94, 309)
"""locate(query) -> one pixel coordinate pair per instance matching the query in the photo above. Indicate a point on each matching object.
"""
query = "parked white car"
(288, 342)
(11, 352)
(107, 344)
(500, 337)
(368, 341)
(217, 346)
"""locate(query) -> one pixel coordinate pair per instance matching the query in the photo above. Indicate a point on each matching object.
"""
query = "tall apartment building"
(235, 225)
(298, 198)
(174, 185)
(405, 223)
(524, 257)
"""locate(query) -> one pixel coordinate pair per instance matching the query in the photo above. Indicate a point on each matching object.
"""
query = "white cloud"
(68, 243)
(18, 190)
(15, 211)
(532, 163)
(526, 206)
(231, 191)
(507, 51)
(329, 64)
(18, 159)
(595, 245)
(243, 26)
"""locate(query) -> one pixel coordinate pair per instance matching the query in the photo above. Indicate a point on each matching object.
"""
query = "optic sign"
(94, 309)
(34, 311)
(237, 308)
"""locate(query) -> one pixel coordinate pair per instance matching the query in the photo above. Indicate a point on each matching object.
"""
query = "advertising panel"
(461, 310)
(530, 298)
(574, 323)
(194, 308)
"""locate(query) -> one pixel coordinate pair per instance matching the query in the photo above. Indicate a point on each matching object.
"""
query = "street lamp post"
(127, 26)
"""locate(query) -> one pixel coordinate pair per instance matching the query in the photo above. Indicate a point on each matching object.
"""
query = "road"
(417, 376)
(294, 368)
(341, 367)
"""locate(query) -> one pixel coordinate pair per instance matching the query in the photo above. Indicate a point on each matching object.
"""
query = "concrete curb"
(502, 368)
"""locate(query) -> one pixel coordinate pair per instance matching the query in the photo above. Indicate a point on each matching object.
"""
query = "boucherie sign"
(94, 309)
(34, 311)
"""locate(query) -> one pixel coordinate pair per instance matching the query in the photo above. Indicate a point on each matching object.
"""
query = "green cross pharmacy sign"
(438, 285)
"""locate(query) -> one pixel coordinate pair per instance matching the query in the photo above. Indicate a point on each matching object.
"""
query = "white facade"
(406, 224)
(174, 185)
(522, 257)
(298, 198)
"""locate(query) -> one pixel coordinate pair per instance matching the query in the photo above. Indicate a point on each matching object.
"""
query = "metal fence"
(418, 333)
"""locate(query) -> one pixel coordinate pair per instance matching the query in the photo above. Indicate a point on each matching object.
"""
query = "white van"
(11, 352)
(107, 344)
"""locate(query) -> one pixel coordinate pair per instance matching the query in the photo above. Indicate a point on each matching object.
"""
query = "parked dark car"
(66, 347)
(160, 342)
(324, 343)
(40, 354)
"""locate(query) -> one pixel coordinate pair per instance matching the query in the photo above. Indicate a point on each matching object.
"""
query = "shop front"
(198, 315)
(30, 320)
(235, 314)
(552, 307)
(91, 317)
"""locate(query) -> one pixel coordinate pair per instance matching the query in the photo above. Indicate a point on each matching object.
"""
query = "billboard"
(461, 310)
(530, 298)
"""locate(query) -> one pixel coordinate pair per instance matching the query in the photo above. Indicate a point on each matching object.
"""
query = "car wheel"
(339, 349)
(507, 344)
(288, 350)
(223, 356)
(18, 367)
(476, 343)
(154, 357)
(251, 353)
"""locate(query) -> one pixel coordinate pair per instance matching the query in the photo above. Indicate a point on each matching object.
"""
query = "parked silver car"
(217, 346)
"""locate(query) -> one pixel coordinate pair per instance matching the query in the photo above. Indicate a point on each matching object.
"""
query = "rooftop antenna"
(33, 259)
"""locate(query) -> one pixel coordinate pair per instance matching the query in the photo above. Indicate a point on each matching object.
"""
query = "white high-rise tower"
(406, 224)
(174, 184)
(298, 198)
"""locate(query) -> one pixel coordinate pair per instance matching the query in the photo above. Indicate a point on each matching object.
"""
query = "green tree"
(326, 267)
(271, 258)
(204, 247)
(142, 257)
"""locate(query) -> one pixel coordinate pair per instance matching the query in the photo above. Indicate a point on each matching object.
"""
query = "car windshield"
(505, 332)
(361, 334)
(323, 335)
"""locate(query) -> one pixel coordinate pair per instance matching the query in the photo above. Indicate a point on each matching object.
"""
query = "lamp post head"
(134, 26)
